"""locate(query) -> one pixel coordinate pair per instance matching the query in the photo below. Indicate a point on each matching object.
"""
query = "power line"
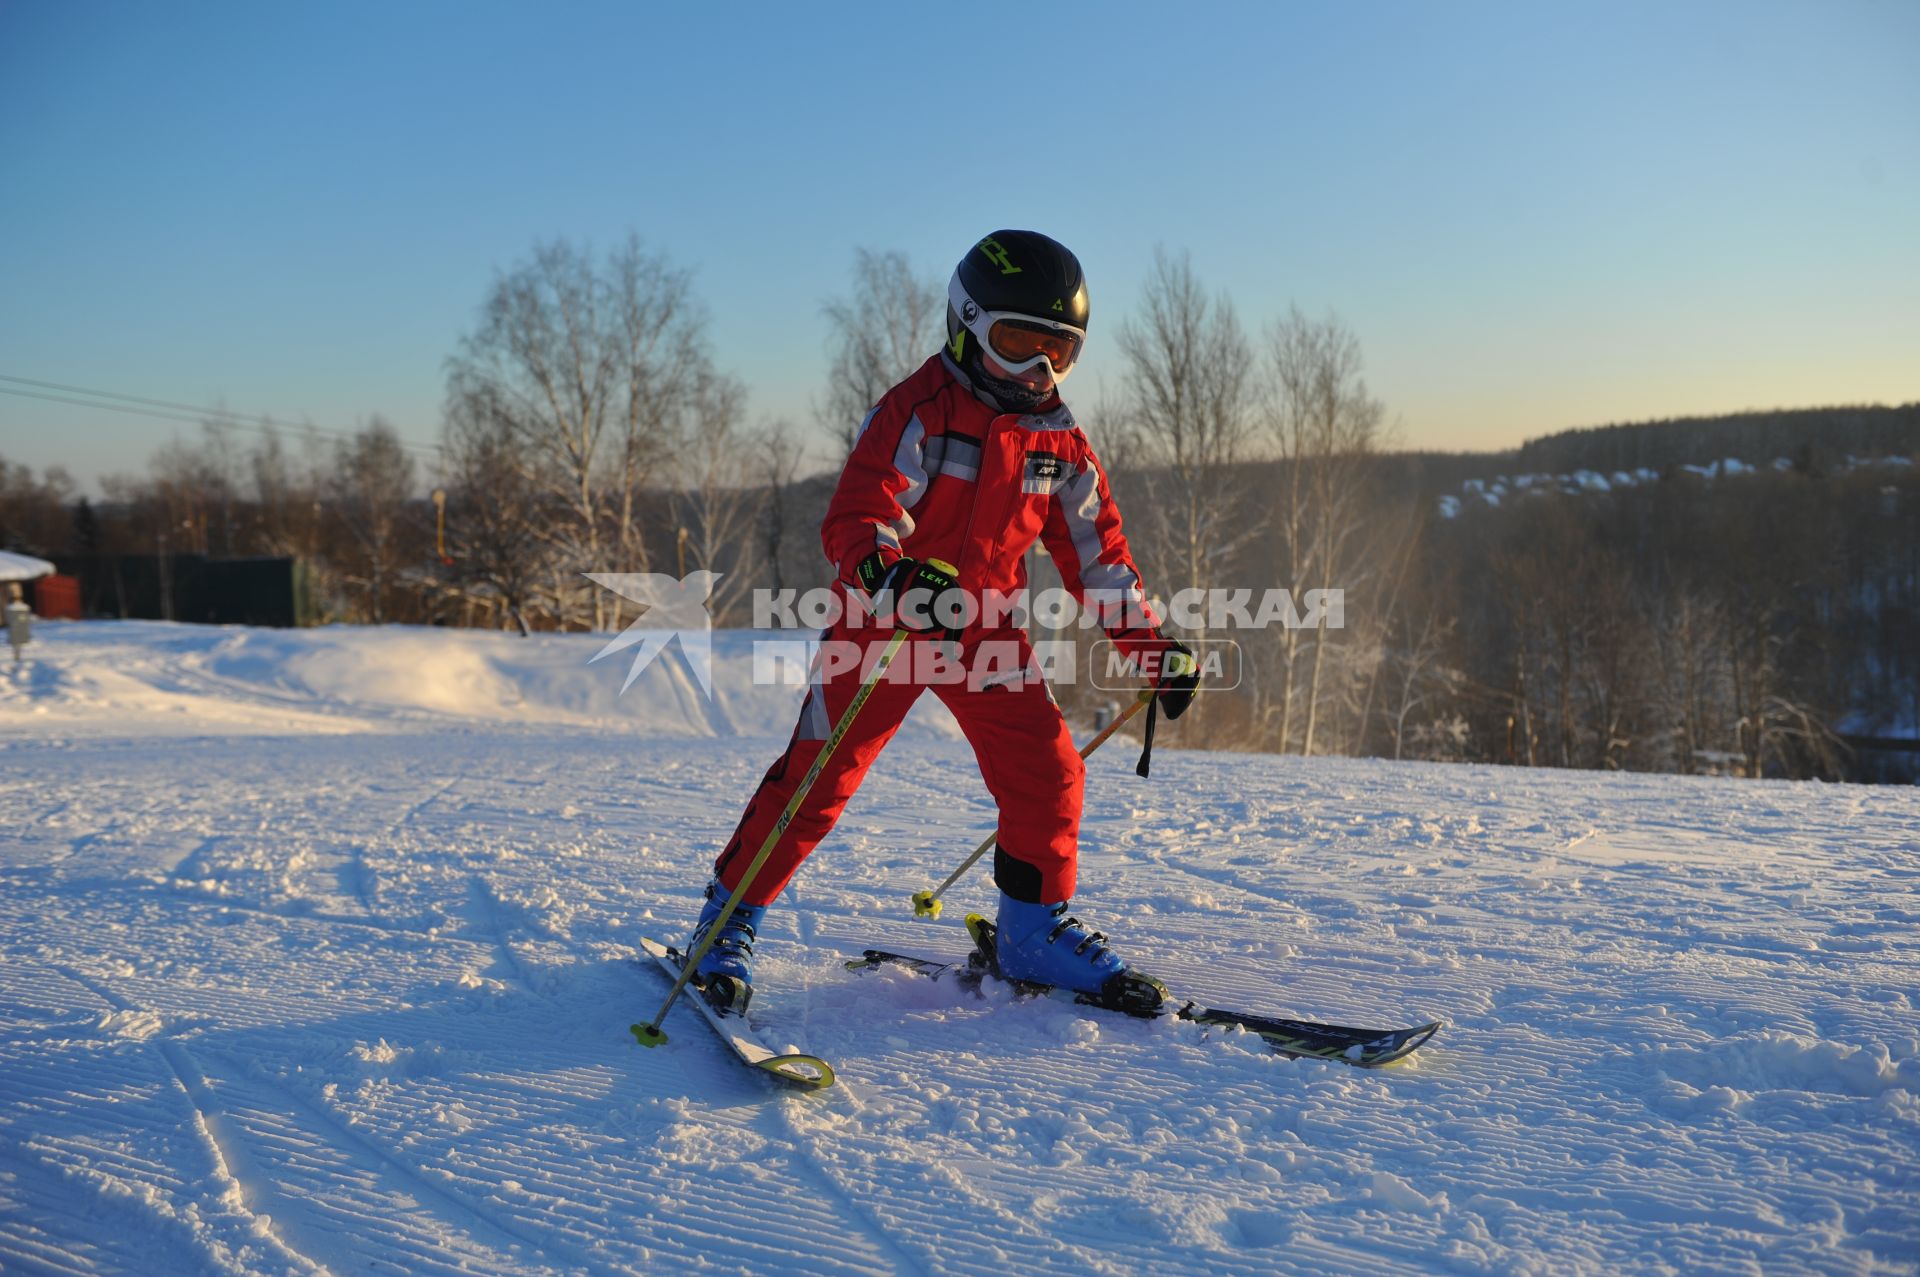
(171, 410)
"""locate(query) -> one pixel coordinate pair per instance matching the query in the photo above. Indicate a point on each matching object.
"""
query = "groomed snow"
(316, 958)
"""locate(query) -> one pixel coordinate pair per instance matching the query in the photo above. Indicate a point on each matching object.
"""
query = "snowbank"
(114, 677)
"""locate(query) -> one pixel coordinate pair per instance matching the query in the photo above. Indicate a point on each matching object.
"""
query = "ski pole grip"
(944, 566)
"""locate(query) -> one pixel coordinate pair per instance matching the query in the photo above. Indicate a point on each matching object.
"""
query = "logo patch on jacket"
(1044, 472)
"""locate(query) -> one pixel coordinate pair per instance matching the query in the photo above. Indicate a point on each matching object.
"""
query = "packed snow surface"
(316, 956)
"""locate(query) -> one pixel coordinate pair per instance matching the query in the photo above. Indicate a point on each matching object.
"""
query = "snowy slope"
(329, 971)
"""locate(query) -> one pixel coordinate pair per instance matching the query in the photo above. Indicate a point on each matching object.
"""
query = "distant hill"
(1815, 439)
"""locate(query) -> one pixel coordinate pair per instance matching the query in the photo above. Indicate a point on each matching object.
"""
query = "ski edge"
(1271, 1030)
(808, 1072)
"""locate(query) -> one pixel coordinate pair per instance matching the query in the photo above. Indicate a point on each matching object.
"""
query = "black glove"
(1179, 679)
(924, 597)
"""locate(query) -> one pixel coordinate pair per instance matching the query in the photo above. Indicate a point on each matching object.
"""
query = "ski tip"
(806, 1071)
(647, 1034)
(1412, 1041)
(925, 906)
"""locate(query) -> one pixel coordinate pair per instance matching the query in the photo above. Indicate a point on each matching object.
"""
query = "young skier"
(966, 463)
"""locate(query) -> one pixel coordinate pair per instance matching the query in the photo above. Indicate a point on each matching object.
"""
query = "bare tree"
(372, 481)
(1688, 641)
(1383, 619)
(717, 501)
(1613, 685)
(189, 482)
(289, 514)
(493, 516)
(1775, 726)
(780, 456)
(1421, 677)
(33, 511)
(663, 363)
(1325, 425)
(1186, 416)
(885, 329)
(542, 355)
(569, 353)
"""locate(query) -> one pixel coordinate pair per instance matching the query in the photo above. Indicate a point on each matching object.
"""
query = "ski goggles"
(1018, 342)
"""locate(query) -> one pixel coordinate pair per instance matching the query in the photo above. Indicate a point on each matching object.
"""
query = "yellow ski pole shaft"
(650, 1034)
(926, 904)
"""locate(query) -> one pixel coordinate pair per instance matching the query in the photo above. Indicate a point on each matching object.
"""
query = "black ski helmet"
(1022, 275)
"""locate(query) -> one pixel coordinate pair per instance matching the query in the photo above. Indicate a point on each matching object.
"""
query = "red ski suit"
(937, 473)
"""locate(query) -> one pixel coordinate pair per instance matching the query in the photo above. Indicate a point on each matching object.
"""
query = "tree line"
(1744, 624)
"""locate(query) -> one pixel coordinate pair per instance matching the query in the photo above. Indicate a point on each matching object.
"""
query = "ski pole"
(926, 904)
(650, 1034)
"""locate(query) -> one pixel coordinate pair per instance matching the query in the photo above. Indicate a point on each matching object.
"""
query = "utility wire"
(170, 410)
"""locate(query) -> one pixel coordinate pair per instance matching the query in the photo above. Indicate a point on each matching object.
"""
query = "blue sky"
(1533, 216)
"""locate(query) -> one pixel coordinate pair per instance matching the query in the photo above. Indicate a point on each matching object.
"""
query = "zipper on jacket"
(998, 539)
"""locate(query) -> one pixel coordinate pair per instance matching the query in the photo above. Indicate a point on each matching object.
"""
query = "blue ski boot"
(1043, 945)
(725, 973)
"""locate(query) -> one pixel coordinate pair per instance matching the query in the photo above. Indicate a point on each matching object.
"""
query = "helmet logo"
(1057, 306)
(997, 254)
(969, 312)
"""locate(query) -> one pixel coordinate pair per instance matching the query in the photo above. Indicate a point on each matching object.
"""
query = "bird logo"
(675, 608)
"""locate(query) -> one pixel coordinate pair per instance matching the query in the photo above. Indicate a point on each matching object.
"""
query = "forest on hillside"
(1740, 622)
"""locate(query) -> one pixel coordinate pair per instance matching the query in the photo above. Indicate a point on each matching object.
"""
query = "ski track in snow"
(355, 1000)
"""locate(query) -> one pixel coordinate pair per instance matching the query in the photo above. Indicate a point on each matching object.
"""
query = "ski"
(1366, 1048)
(805, 1071)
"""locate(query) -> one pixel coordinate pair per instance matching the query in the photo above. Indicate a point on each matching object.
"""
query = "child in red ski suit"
(956, 472)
